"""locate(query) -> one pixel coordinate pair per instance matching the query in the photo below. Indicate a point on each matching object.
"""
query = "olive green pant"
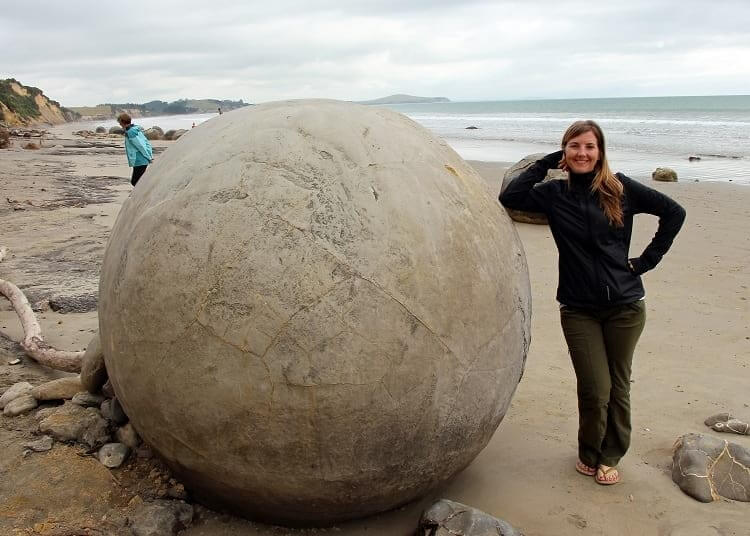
(601, 345)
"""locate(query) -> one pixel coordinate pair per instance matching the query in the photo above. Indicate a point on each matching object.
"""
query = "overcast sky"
(86, 53)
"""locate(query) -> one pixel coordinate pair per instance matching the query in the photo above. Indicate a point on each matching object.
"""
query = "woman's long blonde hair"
(605, 184)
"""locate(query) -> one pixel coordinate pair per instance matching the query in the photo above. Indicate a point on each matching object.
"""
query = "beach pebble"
(664, 174)
(71, 422)
(14, 391)
(724, 422)
(161, 518)
(87, 399)
(448, 518)
(127, 435)
(112, 455)
(20, 405)
(144, 452)
(112, 410)
(40, 445)
(59, 389)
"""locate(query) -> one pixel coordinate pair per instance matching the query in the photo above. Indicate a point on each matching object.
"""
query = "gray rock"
(161, 518)
(375, 345)
(74, 304)
(177, 134)
(116, 130)
(514, 171)
(154, 133)
(87, 399)
(448, 518)
(14, 391)
(40, 445)
(112, 455)
(724, 422)
(127, 435)
(45, 412)
(19, 405)
(706, 468)
(112, 410)
(59, 389)
(101, 130)
(93, 370)
(71, 422)
(664, 175)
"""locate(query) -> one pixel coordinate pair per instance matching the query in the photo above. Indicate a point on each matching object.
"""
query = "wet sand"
(58, 204)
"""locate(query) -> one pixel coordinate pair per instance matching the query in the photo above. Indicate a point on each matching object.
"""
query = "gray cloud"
(90, 52)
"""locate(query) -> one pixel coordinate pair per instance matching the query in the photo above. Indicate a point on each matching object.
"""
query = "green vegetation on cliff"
(19, 103)
(22, 105)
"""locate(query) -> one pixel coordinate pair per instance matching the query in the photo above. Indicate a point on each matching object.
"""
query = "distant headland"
(404, 99)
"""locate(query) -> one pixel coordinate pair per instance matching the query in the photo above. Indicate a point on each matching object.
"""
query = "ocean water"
(642, 133)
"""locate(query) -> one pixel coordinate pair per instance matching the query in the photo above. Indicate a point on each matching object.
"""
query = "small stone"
(71, 422)
(177, 491)
(144, 452)
(40, 445)
(446, 518)
(15, 362)
(20, 405)
(45, 412)
(87, 399)
(127, 435)
(112, 410)
(14, 391)
(112, 455)
(59, 389)
(161, 518)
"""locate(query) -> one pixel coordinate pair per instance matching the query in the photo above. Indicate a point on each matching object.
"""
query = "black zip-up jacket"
(593, 255)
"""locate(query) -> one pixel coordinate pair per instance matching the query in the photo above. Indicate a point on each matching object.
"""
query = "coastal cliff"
(27, 106)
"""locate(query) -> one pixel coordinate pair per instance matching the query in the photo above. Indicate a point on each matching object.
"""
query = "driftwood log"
(33, 343)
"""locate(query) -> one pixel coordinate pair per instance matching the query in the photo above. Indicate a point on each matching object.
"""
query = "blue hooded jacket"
(137, 147)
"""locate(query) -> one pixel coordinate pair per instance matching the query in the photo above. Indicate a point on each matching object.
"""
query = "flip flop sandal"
(603, 476)
(585, 469)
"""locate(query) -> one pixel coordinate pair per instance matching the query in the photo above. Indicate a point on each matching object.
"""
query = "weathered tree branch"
(33, 343)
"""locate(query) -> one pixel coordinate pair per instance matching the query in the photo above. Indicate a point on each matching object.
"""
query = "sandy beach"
(58, 204)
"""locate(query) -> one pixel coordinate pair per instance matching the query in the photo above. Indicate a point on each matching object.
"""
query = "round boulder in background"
(514, 171)
(313, 310)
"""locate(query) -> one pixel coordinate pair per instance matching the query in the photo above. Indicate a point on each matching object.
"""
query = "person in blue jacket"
(137, 147)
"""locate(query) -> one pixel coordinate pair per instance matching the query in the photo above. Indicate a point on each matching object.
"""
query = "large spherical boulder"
(313, 310)
(524, 216)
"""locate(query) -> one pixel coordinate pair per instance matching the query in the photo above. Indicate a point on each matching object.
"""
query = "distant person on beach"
(602, 307)
(137, 147)
(220, 111)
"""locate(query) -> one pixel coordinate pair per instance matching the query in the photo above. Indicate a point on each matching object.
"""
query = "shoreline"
(692, 362)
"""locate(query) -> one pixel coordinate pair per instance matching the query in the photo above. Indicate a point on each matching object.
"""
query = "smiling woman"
(602, 307)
